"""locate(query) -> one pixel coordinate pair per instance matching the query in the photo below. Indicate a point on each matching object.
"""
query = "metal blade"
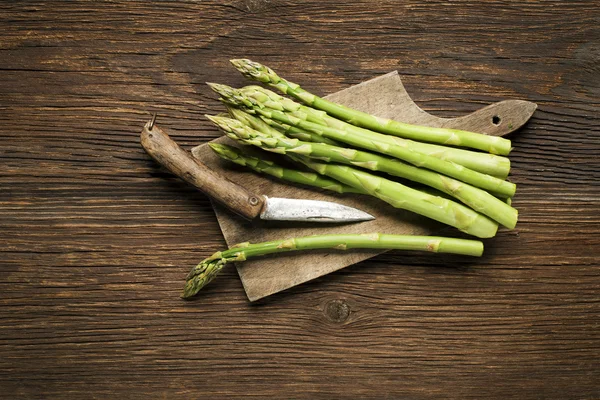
(280, 209)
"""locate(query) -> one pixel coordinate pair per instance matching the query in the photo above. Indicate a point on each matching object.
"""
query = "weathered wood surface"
(384, 96)
(96, 239)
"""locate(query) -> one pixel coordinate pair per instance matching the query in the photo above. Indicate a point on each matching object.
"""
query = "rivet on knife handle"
(168, 154)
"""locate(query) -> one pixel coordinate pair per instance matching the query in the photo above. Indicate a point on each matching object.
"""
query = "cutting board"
(383, 96)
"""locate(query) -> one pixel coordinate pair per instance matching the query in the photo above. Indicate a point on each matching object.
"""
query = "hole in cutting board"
(496, 120)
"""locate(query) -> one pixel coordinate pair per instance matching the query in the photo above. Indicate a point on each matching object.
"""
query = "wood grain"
(383, 96)
(96, 239)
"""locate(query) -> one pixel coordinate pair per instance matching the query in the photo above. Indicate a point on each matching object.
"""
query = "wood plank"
(96, 240)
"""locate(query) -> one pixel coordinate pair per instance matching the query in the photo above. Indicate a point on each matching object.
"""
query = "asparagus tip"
(189, 290)
(216, 146)
(230, 95)
(225, 123)
(224, 151)
(241, 63)
(221, 89)
(212, 118)
(254, 70)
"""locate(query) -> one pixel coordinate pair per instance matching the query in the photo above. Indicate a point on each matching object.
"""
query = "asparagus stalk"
(454, 137)
(475, 198)
(235, 155)
(235, 98)
(482, 162)
(207, 270)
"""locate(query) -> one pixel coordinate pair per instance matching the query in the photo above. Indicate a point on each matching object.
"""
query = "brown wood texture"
(170, 155)
(96, 239)
(384, 96)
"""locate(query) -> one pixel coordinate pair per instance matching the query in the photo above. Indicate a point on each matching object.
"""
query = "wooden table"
(96, 239)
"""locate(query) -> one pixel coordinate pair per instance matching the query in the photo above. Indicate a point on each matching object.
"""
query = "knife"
(235, 197)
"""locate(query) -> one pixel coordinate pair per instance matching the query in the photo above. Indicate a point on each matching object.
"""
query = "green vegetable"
(396, 194)
(206, 271)
(475, 198)
(261, 126)
(452, 137)
(270, 168)
(404, 197)
(497, 186)
(482, 162)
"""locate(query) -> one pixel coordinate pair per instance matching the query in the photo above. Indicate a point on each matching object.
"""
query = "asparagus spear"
(475, 198)
(454, 137)
(270, 168)
(206, 271)
(482, 162)
(236, 98)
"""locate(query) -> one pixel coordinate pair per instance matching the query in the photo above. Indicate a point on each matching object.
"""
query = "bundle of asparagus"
(466, 171)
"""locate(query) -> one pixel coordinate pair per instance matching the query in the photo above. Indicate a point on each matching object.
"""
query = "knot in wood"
(337, 311)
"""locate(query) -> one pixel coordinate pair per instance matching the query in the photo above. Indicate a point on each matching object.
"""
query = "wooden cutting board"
(384, 96)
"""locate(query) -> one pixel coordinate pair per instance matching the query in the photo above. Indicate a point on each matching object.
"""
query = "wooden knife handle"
(168, 154)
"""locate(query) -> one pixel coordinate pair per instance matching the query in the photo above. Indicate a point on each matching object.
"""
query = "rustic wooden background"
(96, 240)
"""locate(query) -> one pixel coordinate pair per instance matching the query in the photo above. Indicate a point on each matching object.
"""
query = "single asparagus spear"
(490, 164)
(206, 271)
(235, 155)
(453, 137)
(475, 198)
(235, 98)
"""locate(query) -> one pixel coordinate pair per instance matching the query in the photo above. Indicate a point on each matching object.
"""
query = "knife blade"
(237, 198)
(281, 209)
